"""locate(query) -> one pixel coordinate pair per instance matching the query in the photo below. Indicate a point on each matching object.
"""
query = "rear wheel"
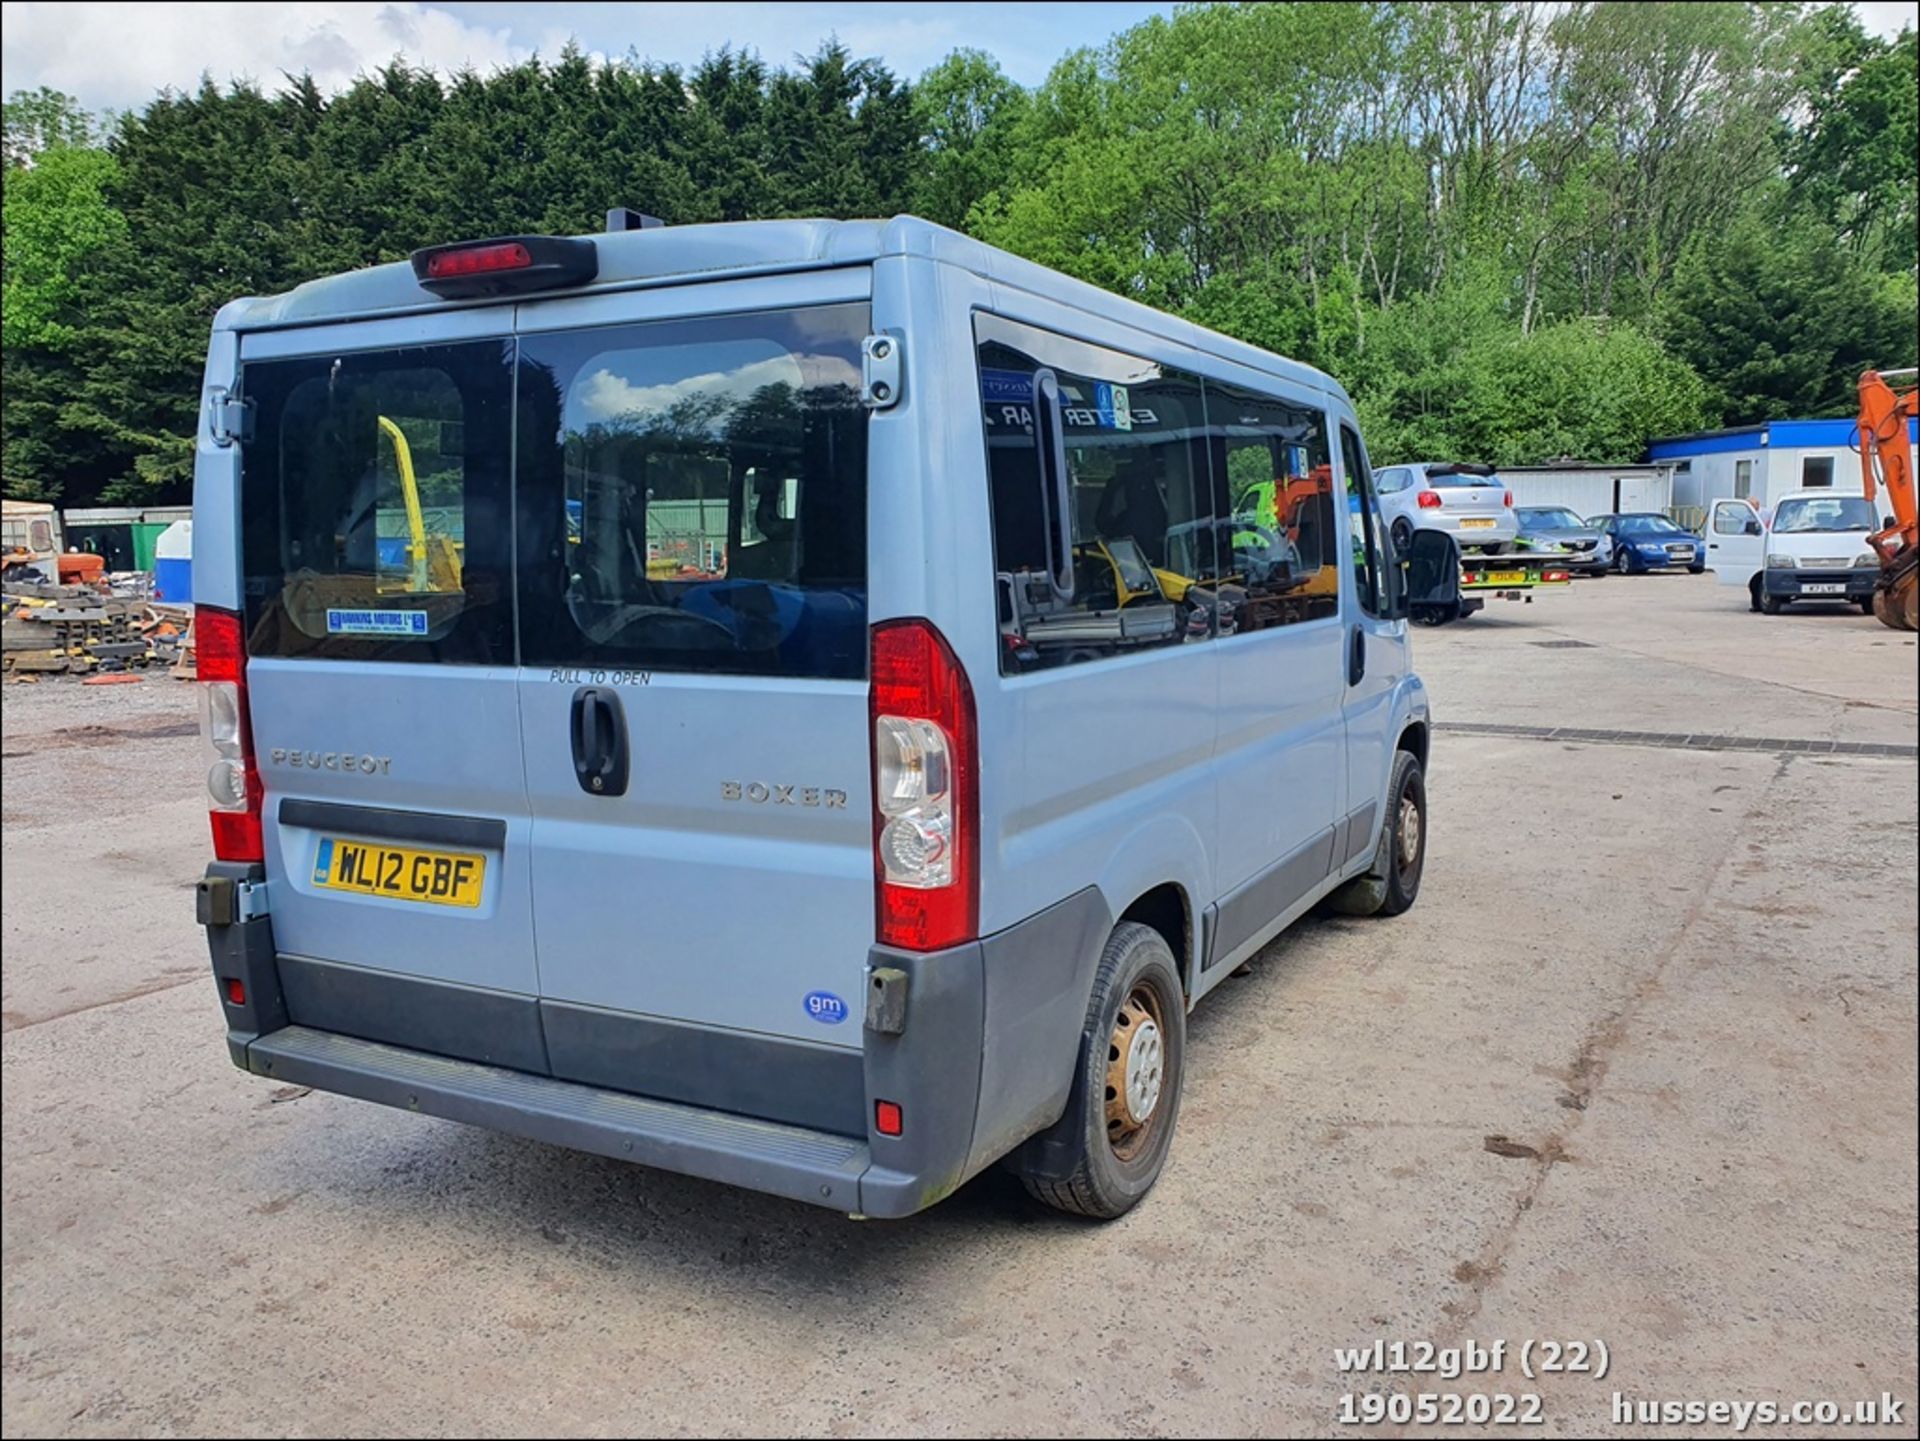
(1402, 536)
(1128, 1093)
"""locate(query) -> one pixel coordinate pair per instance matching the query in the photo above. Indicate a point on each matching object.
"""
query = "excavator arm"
(1886, 463)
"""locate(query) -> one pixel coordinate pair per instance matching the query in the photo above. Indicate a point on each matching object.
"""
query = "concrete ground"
(1639, 1068)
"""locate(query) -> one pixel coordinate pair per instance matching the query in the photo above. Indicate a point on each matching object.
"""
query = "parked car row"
(1811, 546)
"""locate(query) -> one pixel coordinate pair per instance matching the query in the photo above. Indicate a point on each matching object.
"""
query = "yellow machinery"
(433, 562)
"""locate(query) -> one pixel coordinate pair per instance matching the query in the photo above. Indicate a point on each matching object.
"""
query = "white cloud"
(118, 56)
(607, 396)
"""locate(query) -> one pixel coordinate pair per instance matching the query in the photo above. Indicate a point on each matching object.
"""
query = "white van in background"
(1811, 547)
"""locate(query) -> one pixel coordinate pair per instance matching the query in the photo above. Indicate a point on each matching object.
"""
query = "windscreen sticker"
(376, 622)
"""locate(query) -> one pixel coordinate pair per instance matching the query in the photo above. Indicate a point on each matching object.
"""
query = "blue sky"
(117, 55)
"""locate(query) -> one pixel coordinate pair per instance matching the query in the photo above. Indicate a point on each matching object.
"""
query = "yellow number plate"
(439, 878)
(1474, 524)
(1506, 577)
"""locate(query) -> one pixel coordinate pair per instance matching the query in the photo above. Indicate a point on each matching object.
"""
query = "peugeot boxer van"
(792, 703)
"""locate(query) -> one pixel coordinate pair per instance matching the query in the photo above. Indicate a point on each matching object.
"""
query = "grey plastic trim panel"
(426, 827)
(1038, 977)
(820, 1087)
(1358, 831)
(1255, 902)
(468, 1023)
(788, 1161)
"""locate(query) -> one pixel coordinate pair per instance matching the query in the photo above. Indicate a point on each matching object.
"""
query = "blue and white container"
(173, 564)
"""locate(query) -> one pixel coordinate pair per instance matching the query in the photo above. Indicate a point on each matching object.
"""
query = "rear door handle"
(1357, 657)
(599, 741)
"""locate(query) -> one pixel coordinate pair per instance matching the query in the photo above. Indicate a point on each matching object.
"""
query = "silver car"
(1554, 527)
(1469, 502)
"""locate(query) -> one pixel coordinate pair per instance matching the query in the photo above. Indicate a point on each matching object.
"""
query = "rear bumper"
(789, 1161)
(1792, 584)
(977, 1047)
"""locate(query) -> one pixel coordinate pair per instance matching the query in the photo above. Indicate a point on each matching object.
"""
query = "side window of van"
(1275, 480)
(1139, 525)
(693, 495)
(374, 505)
(1365, 533)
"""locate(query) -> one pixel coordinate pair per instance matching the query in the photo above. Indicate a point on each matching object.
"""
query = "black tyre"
(1622, 564)
(1498, 547)
(1696, 570)
(1772, 604)
(1392, 883)
(1402, 536)
(1865, 602)
(1127, 1098)
(1753, 594)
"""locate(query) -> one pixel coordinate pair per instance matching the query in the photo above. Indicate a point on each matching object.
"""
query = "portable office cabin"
(124, 536)
(1591, 489)
(1761, 462)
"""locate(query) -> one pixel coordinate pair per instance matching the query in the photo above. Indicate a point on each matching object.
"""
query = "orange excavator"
(1886, 462)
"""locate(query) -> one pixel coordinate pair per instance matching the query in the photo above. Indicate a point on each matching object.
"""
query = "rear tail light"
(236, 991)
(925, 790)
(233, 780)
(887, 1118)
(1506, 499)
(1429, 499)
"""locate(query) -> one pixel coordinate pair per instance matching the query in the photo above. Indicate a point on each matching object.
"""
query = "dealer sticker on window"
(376, 622)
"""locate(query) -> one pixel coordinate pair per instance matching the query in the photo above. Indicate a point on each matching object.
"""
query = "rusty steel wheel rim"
(1409, 833)
(1136, 1071)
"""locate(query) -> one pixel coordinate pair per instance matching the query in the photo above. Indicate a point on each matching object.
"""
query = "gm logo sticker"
(825, 1007)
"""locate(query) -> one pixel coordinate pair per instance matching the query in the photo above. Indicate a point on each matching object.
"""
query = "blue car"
(1646, 540)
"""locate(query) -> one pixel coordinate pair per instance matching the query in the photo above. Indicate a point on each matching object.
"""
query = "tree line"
(1516, 232)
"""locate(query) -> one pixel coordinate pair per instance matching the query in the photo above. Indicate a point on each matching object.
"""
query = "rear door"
(693, 617)
(1736, 541)
(376, 560)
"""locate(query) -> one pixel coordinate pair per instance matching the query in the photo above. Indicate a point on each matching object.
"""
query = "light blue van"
(805, 704)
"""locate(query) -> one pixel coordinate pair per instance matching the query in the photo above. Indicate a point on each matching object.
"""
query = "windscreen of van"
(692, 495)
(374, 501)
(1809, 515)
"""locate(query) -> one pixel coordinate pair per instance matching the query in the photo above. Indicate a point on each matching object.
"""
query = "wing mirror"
(1430, 578)
(1753, 526)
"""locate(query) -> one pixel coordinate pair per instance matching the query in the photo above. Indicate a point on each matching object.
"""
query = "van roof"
(677, 254)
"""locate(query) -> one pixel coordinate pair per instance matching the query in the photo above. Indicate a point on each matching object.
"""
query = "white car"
(1469, 502)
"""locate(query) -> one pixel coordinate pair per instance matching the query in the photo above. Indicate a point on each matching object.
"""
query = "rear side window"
(1140, 525)
(692, 495)
(374, 500)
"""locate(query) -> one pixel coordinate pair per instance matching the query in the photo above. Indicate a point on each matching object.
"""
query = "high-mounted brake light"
(926, 814)
(233, 780)
(478, 260)
(1429, 499)
(504, 264)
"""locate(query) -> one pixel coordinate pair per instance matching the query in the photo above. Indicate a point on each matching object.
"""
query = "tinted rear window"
(1444, 482)
(374, 498)
(692, 495)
